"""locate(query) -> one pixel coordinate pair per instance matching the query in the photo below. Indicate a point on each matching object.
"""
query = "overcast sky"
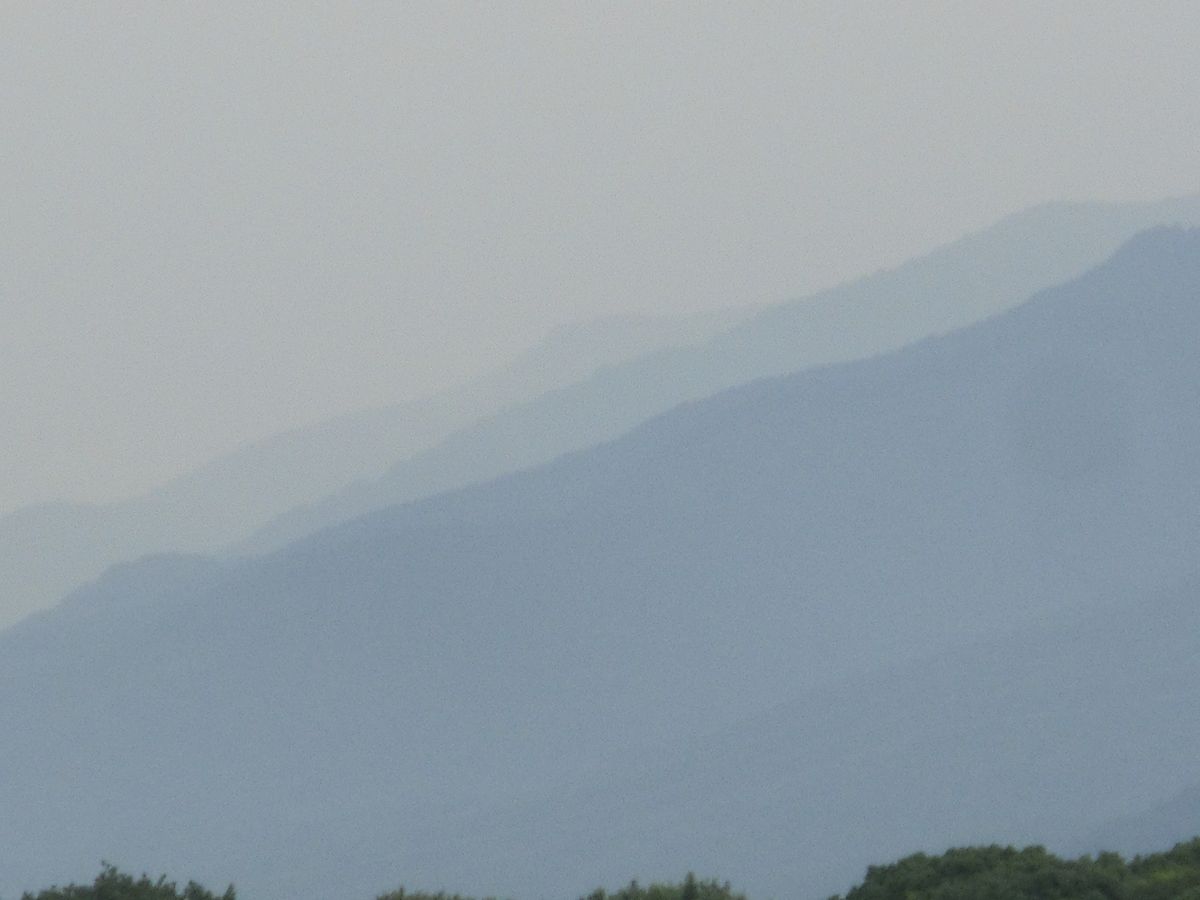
(224, 219)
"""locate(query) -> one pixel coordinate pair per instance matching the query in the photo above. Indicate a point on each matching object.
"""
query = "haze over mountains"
(226, 220)
(953, 286)
(715, 594)
(579, 390)
(48, 550)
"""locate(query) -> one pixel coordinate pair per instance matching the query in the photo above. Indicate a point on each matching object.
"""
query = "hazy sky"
(223, 219)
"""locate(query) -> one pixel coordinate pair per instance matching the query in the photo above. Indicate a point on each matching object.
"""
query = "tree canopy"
(1005, 873)
(964, 873)
(112, 884)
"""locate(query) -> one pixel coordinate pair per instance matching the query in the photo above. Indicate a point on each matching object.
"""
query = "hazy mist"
(223, 220)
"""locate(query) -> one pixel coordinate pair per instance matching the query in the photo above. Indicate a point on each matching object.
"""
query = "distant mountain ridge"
(767, 591)
(269, 494)
(954, 286)
(48, 550)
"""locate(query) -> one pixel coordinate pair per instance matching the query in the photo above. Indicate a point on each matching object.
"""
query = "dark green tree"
(691, 888)
(1005, 873)
(403, 894)
(112, 884)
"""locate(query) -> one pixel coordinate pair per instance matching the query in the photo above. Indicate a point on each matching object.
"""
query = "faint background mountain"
(47, 550)
(763, 597)
(961, 283)
(579, 387)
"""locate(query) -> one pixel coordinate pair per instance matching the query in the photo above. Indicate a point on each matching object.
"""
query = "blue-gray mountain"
(269, 494)
(950, 288)
(1022, 739)
(48, 550)
(352, 702)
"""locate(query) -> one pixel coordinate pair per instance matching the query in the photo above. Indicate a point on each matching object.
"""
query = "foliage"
(112, 884)
(965, 873)
(689, 889)
(1005, 873)
(402, 894)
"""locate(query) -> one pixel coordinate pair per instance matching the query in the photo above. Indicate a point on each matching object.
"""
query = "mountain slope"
(45, 551)
(952, 287)
(393, 675)
(1027, 738)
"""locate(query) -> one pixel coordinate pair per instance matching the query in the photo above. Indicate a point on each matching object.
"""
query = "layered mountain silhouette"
(580, 387)
(356, 699)
(48, 550)
(950, 288)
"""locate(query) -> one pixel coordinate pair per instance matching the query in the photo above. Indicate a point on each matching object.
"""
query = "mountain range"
(578, 388)
(939, 594)
(951, 287)
(48, 550)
